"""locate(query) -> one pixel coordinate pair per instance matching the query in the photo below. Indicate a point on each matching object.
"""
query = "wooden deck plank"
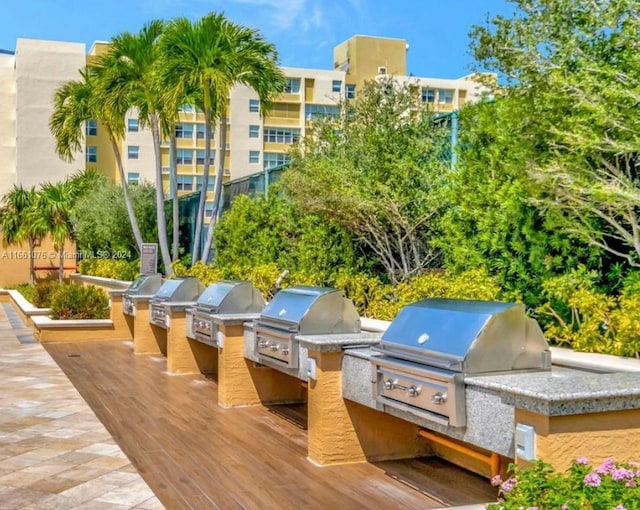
(196, 455)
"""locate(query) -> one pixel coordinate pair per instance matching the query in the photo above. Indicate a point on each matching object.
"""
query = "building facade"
(29, 77)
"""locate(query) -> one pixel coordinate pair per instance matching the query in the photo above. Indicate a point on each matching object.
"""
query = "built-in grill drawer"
(205, 330)
(158, 316)
(431, 393)
(277, 346)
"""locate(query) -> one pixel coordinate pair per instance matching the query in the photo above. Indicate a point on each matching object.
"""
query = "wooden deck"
(195, 455)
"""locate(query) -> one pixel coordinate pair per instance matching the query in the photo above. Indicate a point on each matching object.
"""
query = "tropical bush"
(40, 294)
(118, 269)
(609, 486)
(584, 318)
(79, 302)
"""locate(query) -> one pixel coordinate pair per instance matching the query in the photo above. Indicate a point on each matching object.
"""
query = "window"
(92, 154)
(254, 131)
(133, 151)
(133, 125)
(92, 127)
(186, 108)
(200, 131)
(318, 111)
(200, 156)
(184, 131)
(428, 95)
(254, 105)
(208, 209)
(350, 91)
(211, 183)
(133, 178)
(445, 96)
(336, 86)
(272, 159)
(254, 157)
(292, 86)
(185, 182)
(184, 156)
(281, 135)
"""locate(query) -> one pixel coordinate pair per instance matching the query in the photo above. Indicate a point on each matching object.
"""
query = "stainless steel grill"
(432, 345)
(224, 297)
(300, 311)
(147, 284)
(177, 290)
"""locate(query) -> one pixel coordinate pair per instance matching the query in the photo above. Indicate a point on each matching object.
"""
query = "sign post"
(149, 258)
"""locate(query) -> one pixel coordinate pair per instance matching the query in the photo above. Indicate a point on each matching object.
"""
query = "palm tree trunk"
(125, 191)
(32, 265)
(173, 163)
(205, 185)
(161, 218)
(218, 190)
(61, 267)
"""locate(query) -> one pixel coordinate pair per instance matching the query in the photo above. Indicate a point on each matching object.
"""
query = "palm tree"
(16, 222)
(129, 72)
(53, 214)
(211, 56)
(76, 102)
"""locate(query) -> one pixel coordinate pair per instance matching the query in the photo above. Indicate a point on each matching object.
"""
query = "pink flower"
(619, 507)
(631, 483)
(565, 506)
(621, 474)
(508, 485)
(606, 467)
(583, 461)
(496, 480)
(592, 480)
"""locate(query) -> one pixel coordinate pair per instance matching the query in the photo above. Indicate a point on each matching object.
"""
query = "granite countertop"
(142, 297)
(176, 305)
(117, 292)
(564, 391)
(232, 319)
(338, 341)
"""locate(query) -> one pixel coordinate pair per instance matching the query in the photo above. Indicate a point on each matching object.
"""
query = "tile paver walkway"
(54, 452)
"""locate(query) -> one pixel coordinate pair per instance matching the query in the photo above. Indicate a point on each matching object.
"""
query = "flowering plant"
(609, 486)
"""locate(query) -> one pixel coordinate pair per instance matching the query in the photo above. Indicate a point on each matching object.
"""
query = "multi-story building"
(29, 77)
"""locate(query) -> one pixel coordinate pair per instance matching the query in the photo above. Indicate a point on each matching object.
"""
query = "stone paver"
(54, 452)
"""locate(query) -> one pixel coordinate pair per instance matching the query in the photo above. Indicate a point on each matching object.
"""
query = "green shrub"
(118, 269)
(207, 274)
(27, 290)
(40, 294)
(580, 316)
(609, 486)
(79, 302)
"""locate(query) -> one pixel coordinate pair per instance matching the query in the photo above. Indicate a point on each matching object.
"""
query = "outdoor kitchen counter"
(489, 419)
(564, 392)
(176, 305)
(231, 319)
(336, 342)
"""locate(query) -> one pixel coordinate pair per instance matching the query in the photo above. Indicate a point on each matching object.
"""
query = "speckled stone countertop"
(232, 319)
(176, 306)
(142, 297)
(338, 341)
(564, 391)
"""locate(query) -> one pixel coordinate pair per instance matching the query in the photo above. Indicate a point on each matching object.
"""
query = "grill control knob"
(389, 384)
(263, 345)
(285, 352)
(413, 391)
(439, 398)
(274, 348)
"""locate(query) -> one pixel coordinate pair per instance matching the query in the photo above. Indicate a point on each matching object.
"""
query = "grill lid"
(466, 336)
(145, 284)
(311, 310)
(229, 296)
(179, 289)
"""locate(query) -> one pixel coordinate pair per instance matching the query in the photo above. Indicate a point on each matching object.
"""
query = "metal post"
(454, 138)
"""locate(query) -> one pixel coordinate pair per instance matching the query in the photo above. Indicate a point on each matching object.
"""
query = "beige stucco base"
(186, 356)
(243, 383)
(342, 432)
(146, 340)
(119, 319)
(597, 436)
(78, 334)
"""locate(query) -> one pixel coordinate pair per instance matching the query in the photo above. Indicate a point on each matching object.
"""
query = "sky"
(304, 31)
